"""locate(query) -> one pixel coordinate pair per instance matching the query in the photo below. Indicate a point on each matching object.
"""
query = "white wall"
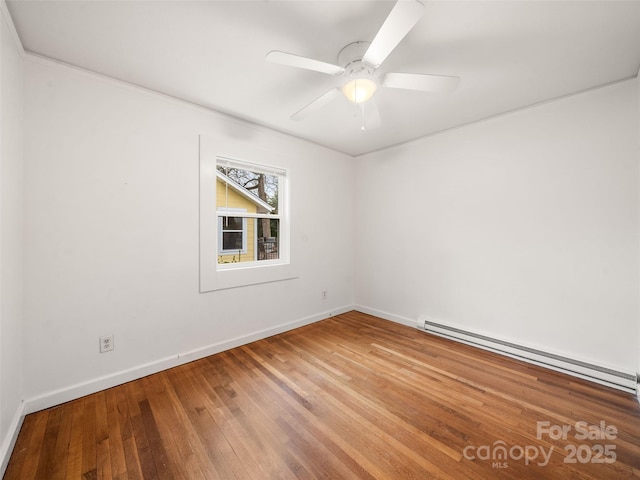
(523, 227)
(10, 236)
(111, 234)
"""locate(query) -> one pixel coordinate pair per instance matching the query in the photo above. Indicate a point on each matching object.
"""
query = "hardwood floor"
(353, 396)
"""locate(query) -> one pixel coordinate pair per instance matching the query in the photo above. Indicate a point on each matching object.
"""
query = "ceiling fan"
(358, 62)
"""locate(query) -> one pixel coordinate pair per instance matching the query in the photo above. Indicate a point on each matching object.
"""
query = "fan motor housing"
(351, 58)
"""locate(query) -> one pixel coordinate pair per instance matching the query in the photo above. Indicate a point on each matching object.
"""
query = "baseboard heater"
(627, 382)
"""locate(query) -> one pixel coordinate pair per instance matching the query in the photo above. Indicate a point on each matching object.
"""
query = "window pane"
(232, 241)
(232, 223)
(268, 227)
(268, 239)
(261, 186)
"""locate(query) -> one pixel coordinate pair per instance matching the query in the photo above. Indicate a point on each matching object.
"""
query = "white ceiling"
(509, 54)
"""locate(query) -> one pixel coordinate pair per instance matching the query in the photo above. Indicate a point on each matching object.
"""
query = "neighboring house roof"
(244, 192)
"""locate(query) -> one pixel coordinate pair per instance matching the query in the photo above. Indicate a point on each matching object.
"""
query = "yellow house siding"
(229, 198)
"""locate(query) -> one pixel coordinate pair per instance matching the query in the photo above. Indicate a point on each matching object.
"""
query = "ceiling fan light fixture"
(359, 90)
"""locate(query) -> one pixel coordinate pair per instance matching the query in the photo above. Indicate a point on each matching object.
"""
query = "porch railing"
(268, 248)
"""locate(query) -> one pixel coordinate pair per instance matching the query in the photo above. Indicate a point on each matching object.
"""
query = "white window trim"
(214, 276)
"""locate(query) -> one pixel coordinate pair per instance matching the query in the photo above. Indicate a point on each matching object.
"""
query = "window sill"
(225, 277)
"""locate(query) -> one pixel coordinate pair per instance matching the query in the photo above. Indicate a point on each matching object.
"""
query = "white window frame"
(215, 276)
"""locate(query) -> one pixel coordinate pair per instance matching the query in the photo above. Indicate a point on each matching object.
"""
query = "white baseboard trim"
(386, 315)
(11, 438)
(603, 375)
(72, 392)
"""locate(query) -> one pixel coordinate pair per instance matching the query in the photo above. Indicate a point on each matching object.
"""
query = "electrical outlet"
(106, 344)
(324, 294)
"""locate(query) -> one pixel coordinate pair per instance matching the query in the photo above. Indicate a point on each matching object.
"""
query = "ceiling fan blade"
(316, 104)
(292, 60)
(418, 81)
(403, 17)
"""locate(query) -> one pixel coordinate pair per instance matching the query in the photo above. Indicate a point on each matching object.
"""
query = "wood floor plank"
(46, 463)
(349, 397)
(89, 438)
(74, 453)
(145, 455)
(26, 452)
(103, 441)
(59, 468)
(214, 444)
(335, 431)
(114, 433)
(296, 431)
(182, 446)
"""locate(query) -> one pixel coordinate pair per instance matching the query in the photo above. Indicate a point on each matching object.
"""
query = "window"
(252, 194)
(244, 218)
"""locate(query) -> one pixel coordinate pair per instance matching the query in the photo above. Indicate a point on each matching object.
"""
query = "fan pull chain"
(361, 104)
(362, 128)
